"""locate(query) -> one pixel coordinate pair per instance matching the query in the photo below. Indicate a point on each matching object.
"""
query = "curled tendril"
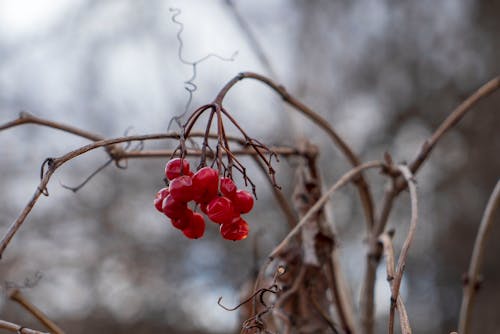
(189, 85)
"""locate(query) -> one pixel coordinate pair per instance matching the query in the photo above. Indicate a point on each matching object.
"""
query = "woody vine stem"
(226, 158)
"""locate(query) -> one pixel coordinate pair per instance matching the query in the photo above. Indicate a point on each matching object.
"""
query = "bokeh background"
(384, 73)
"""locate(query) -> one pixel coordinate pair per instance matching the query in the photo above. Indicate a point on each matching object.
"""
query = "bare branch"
(398, 277)
(347, 177)
(399, 184)
(18, 297)
(472, 280)
(18, 329)
(363, 189)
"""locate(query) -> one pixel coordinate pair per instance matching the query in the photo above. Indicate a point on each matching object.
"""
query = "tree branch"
(472, 280)
(18, 329)
(347, 177)
(398, 185)
(18, 297)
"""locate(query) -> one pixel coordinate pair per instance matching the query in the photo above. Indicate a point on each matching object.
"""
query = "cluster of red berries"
(219, 199)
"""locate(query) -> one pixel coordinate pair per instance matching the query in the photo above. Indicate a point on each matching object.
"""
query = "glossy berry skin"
(227, 187)
(183, 222)
(181, 188)
(173, 168)
(221, 210)
(160, 196)
(196, 227)
(243, 201)
(173, 209)
(235, 230)
(205, 184)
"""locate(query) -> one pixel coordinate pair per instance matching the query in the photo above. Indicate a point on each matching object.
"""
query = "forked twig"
(472, 280)
(374, 252)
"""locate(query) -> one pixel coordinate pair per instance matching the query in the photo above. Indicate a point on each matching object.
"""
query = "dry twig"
(18, 297)
(472, 280)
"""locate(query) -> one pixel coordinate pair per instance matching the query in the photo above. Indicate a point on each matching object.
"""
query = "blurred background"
(384, 73)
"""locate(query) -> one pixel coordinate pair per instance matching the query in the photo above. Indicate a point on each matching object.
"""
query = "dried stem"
(386, 240)
(399, 184)
(347, 177)
(18, 329)
(26, 118)
(363, 189)
(472, 280)
(18, 297)
(339, 290)
(398, 277)
(55, 163)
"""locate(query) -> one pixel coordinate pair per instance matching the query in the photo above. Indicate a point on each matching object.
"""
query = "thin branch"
(252, 40)
(398, 277)
(58, 162)
(374, 252)
(26, 118)
(363, 189)
(472, 280)
(386, 240)
(18, 297)
(285, 207)
(347, 177)
(18, 329)
(339, 290)
(452, 120)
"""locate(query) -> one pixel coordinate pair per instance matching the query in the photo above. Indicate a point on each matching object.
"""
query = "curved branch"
(398, 277)
(363, 189)
(347, 177)
(472, 280)
(27, 118)
(374, 252)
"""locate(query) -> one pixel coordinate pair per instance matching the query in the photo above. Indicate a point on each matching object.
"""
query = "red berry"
(181, 188)
(183, 222)
(235, 230)
(173, 209)
(173, 168)
(221, 210)
(205, 184)
(203, 207)
(227, 187)
(196, 227)
(160, 196)
(243, 201)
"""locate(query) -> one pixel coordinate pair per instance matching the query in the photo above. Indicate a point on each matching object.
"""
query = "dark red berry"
(196, 227)
(173, 209)
(235, 230)
(183, 222)
(227, 187)
(221, 210)
(160, 196)
(173, 168)
(205, 184)
(203, 207)
(181, 188)
(243, 201)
